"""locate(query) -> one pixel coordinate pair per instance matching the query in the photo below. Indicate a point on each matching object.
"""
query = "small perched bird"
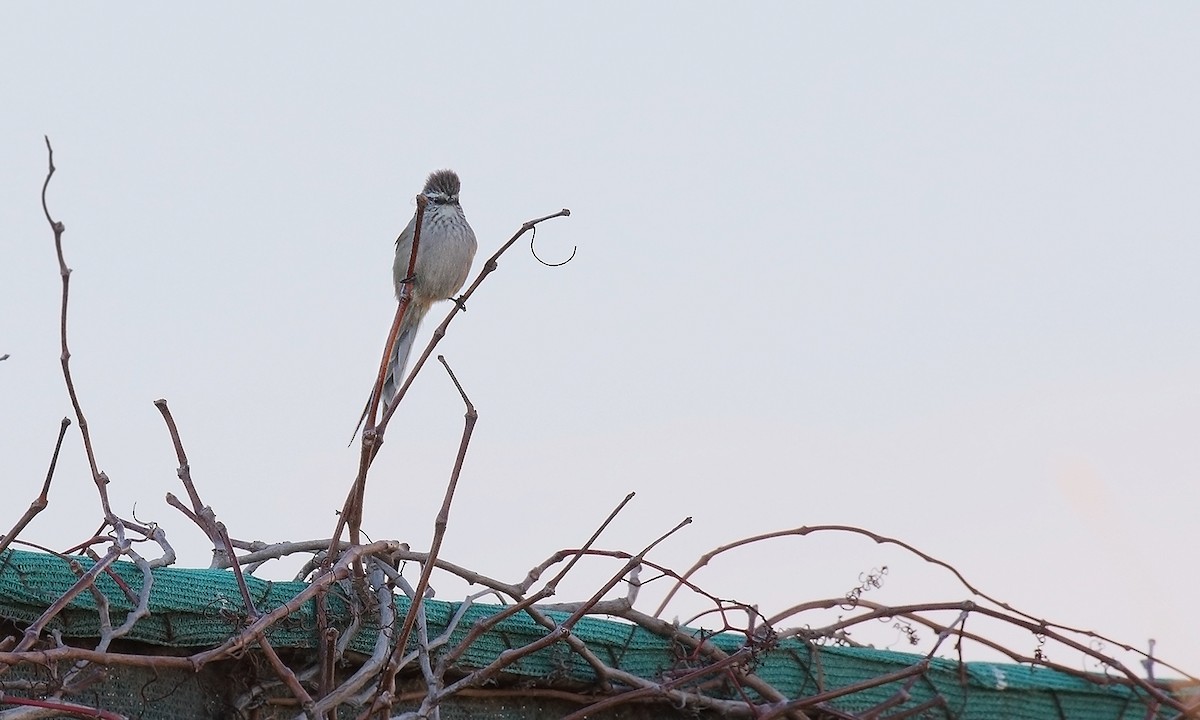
(444, 258)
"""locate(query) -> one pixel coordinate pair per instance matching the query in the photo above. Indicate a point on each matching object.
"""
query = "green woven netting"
(203, 608)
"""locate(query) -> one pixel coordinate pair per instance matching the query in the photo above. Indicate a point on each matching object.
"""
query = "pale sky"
(927, 269)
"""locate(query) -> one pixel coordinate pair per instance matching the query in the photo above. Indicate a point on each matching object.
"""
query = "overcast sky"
(926, 269)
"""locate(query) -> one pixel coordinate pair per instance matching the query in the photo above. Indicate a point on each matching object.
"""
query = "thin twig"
(98, 477)
(527, 603)
(68, 653)
(340, 571)
(65, 358)
(371, 438)
(141, 607)
(439, 532)
(201, 514)
(506, 658)
(285, 674)
(885, 540)
(204, 516)
(380, 654)
(658, 689)
(814, 700)
(63, 707)
(85, 581)
(42, 500)
(912, 612)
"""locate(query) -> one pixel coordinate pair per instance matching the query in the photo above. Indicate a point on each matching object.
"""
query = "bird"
(444, 256)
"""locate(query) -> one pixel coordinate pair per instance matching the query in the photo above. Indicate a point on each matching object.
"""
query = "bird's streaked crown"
(442, 185)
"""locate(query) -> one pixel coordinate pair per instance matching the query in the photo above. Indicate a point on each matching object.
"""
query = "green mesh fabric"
(203, 608)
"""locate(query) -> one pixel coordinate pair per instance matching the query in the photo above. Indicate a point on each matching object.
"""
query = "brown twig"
(65, 358)
(340, 571)
(204, 516)
(42, 500)
(527, 604)
(800, 532)
(76, 679)
(69, 708)
(247, 601)
(878, 611)
(185, 469)
(508, 657)
(658, 689)
(815, 700)
(98, 476)
(885, 540)
(904, 693)
(439, 533)
(201, 514)
(371, 439)
(403, 553)
(665, 629)
(443, 517)
(285, 674)
(141, 602)
(78, 654)
(85, 581)
(381, 651)
(326, 661)
(524, 603)
(912, 612)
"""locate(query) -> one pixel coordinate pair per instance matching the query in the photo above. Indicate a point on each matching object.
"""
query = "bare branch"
(439, 532)
(34, 630)
(62, 707)
(340, 571)
(65, 273)
(43, 499)
(201, 514)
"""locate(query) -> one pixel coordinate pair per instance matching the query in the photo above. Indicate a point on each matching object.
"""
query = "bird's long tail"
(399, 361)
(394, 376)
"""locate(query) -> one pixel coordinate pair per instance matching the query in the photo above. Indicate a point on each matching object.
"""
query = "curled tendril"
(910, 633)
(1039, 652)
(533, 237)
(866, 582)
